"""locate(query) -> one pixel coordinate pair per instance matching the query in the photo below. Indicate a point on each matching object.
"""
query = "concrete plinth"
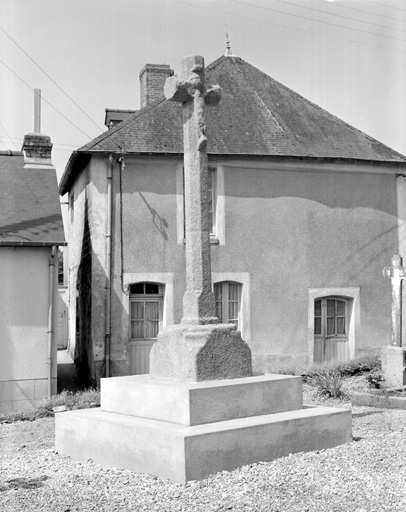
(185, 431)
(195, 353)
(394, 366)
(196, 403)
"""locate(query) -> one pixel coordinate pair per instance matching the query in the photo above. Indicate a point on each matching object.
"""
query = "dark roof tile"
(256, 116)
(30, 211)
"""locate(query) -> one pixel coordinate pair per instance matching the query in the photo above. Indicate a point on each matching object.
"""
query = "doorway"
(331, 326)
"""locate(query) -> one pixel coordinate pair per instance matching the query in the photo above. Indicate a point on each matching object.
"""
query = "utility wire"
(46, 101)
(56, 110)
(321, 21)
(50, 78)
(386, 5)
(4, 144)
(228, 13)
(346, 7)
(8, 136)
(54, 143)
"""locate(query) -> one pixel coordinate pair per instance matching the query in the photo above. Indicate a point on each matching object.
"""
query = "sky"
(347, 56)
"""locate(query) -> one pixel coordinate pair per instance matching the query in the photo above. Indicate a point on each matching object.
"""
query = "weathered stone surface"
(194, 353)
(200, 348)
(393, 366)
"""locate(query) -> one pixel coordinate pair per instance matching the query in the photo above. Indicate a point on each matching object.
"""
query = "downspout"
(51, 298)
(107, 337)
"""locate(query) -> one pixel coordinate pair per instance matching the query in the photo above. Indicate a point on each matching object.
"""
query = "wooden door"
(331, 330)
(146, 322)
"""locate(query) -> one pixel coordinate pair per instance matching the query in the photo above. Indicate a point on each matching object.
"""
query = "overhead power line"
(55, 143)
(6, 132)
(321, 21)
(338, 5)
(50, 78)
(347, 40)
(46, 101)
(386, 5)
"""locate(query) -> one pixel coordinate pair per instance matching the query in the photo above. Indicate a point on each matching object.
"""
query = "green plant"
(329, 383)
(80, 400)
(361, 364)
(375, 379)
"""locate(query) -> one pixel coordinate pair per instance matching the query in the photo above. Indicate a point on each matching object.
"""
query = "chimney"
(36, 146)
(152, 80)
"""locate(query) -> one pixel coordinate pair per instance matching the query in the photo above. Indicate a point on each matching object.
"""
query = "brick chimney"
(152, 80)
(36, 146)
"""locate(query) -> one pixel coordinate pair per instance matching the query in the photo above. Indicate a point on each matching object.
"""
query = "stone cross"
(397, 273)
(191, 91)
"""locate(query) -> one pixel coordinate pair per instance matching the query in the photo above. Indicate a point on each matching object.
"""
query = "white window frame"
(162, 278)
(352, 295)
(218, 235)
(225, 300)
(148, 297)
(244, 280)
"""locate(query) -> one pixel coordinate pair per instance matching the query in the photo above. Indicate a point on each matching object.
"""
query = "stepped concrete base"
(196, 403)
(171, 445)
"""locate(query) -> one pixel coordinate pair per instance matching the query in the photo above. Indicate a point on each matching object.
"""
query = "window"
(228, 296)
(212, 199)
(215, 199)
(72, 207)
(145, 310)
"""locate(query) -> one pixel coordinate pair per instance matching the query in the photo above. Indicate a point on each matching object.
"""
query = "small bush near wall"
(71, 401)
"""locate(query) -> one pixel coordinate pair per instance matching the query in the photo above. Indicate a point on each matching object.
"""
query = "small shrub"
(329, 383)
(359, 365)
(374, 379)
(80, 400)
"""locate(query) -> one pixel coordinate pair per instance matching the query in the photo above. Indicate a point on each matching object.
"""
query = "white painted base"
(183, 452)
(195, 403)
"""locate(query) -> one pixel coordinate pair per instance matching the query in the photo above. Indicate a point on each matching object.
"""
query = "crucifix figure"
(199, 348)
(198, 301)
(397, 274)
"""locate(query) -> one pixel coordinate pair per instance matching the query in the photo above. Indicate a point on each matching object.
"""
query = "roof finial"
(228, 47)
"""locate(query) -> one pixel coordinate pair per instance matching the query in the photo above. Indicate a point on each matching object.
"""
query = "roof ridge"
(241, 71)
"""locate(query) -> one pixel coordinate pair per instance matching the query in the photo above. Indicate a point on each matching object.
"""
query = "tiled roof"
(256, 116)
(30, 211)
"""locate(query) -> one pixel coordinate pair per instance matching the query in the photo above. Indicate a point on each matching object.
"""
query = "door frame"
(352, 295)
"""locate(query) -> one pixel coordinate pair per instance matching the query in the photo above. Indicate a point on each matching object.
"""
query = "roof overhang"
(12, 243)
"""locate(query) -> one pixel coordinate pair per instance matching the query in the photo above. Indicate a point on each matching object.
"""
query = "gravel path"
(368, 474)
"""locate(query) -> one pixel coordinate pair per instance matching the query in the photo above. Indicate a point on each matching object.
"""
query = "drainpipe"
(51, 298)
(107, 337)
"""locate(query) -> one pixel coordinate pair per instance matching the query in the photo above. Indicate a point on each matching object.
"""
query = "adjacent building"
(305, 212)
(30, 232)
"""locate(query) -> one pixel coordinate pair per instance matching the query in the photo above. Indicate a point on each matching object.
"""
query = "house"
(30, 232)
(305, 212)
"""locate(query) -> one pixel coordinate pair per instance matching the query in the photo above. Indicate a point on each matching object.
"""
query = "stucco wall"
(24, 277)
(289, 227)
(295, 230)
(291, 230)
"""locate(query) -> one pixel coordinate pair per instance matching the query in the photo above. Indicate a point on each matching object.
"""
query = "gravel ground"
(368, 474)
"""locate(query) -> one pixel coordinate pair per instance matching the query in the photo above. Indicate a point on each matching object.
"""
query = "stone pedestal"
(194, 353)
(187, 431)
(394, 366)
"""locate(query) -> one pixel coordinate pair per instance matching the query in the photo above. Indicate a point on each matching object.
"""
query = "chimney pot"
(152, 81)
(37, 148)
